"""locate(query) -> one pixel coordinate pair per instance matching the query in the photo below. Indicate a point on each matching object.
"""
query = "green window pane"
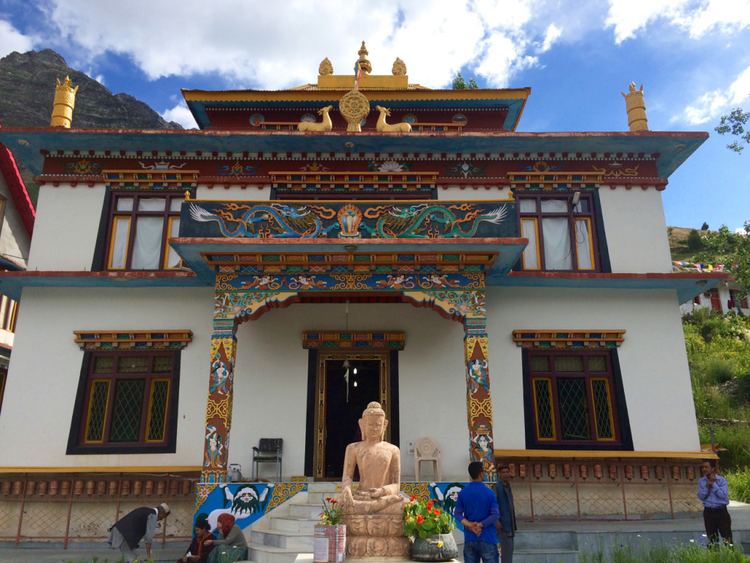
(539, 363)
(602, 409)
(157, 416)
(104, 364)
(97, 411)
(597, 363)
(544, 408)
(574, 412)
(126, 410)
(134, 364)
(569, 363)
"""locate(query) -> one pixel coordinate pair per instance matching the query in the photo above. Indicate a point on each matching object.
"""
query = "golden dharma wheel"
(354, 106)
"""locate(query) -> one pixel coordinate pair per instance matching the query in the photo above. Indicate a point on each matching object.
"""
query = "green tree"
(731, 249)
(459, 83)
(694, 241)
(735, 124)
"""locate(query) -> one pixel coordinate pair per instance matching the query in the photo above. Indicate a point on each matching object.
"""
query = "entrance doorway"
(345, 382)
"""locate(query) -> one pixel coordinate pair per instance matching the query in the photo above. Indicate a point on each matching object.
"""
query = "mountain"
(27, 83)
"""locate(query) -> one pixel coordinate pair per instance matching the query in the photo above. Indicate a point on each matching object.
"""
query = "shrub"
(739, 484)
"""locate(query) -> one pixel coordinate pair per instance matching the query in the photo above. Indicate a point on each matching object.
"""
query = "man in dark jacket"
(137, 525)
(506, 523)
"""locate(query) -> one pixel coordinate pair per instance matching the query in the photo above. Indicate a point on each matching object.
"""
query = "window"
(140, 227)
(561, 235)
(3, 379)
(715, 300)
(128, 402)
(8, 313)
(571, 398)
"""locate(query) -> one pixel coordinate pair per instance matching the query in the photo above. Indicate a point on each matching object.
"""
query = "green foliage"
(694, 241)
(739, 484)
(728, 248)
(425, 519)
(667, 554)
(734, 124)
(459, 83)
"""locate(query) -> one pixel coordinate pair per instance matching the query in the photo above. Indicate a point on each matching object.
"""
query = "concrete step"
(545, 556)
(293, 524)
(286, 540)
(546, 540)
(270, 554)
(311, 511)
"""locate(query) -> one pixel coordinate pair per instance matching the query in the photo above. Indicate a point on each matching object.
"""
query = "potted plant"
(430, 527)
(329, 543)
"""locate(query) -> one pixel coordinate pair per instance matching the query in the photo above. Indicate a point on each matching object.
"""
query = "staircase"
(546, 547)
(288, 530)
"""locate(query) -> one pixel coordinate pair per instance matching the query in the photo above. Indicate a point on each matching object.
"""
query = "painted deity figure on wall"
(478, 375)
(214, 449)
(220, 371)
(447, 496)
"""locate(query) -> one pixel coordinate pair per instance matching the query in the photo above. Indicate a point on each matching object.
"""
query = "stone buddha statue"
(373, 513)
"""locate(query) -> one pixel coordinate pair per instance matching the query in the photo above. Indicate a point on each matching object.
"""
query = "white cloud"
(181, 114)
(13, 40)
(552, 34)
(628, 17)
(256, 43)
(710, 105)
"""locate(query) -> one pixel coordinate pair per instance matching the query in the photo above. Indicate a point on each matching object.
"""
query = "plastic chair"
(267, 451)
(426, 449)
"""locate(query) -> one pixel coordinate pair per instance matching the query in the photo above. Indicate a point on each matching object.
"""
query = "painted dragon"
(426, 220)
(287, 221)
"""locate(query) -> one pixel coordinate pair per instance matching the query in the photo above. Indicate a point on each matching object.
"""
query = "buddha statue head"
(372, 425)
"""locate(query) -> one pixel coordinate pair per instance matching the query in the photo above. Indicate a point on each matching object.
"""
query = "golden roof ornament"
(63, 104)
(354, 106)
(399, 68)
(362, 62)
(325, 68)
(635, 105)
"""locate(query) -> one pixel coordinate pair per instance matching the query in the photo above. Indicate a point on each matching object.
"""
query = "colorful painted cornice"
(356, 340)
(534, 338)
(133, 340)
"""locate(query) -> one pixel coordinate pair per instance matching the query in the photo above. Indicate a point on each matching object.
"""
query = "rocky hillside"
(27, 85)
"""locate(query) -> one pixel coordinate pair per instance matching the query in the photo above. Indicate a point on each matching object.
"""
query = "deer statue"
(384, 127)
(325, 125)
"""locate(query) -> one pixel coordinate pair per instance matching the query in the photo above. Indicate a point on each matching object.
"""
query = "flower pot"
(440, 547)
(329, 544)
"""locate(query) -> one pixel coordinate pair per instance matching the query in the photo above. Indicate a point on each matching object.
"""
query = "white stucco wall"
(234, 193)
(271, 371)
(653, 360)
(471, 193)
(66, 227)
(46, 365)
(636, 230)
(14, 240)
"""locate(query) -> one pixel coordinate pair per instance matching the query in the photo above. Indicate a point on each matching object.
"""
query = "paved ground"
(38, 553)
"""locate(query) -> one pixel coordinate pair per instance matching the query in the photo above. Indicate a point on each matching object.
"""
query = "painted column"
(478, 396)
(219, 402)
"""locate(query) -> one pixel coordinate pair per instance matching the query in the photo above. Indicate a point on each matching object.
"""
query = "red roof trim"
(17, 187)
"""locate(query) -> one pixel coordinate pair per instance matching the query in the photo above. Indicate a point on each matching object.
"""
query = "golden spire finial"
(399, 68)
(635, 105)
(326, 67)
(363, 63)
(65, 101)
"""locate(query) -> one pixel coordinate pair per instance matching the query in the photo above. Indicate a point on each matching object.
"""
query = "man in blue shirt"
(476, 508)
(713, 492)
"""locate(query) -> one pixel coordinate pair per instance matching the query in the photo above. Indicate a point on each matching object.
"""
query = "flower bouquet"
(329, 543)
(430, 526)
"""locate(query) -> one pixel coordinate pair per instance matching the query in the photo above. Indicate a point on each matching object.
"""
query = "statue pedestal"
(308, 558)
(375, 535)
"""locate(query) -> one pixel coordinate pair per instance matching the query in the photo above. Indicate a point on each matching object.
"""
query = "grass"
(667, 554)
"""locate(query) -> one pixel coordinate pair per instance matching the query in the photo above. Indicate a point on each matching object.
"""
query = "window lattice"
(544, 408)
(602, 409)
(574, 413)
(97, 411)
(158, 410)
(127, 409)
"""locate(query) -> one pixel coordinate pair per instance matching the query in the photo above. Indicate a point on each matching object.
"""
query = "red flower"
(332, 500)
(436, 512)
(420, 518)
(413, 498)
(429, 505)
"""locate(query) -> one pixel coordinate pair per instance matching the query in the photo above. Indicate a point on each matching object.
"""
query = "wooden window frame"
(620, 438)
(572, 216)
(79, 442)
(3, 383)
(132, 216)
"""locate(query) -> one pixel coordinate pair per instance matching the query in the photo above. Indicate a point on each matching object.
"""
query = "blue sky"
(692, 56)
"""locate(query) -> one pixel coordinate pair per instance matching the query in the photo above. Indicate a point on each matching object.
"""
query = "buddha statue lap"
(373, 513)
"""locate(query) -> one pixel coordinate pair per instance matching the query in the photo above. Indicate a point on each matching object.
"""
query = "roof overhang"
(670, 149)
(687, 285)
